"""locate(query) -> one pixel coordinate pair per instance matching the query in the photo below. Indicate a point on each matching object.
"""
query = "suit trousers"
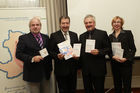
(122, 76)
(39, 87)
(67, 84)
(93, 84)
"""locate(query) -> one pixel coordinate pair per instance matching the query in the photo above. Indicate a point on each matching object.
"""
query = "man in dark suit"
(36, 68)
(93, 63)
(65, 70)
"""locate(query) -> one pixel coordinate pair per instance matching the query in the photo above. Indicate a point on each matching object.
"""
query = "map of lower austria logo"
(13, 67)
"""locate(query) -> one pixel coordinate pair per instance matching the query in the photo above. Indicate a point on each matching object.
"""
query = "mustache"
(89, 26)
(65, 27)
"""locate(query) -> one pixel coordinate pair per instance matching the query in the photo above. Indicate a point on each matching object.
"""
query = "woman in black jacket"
(122, 44)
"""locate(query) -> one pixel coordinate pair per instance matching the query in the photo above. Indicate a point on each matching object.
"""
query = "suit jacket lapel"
(71, 37)
(121, 36)
(33, 40)
(61, 37)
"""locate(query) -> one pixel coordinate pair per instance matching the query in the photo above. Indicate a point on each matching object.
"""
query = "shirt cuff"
(32, 60)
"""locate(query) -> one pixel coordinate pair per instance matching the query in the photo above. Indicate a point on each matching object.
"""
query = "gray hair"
(35, 18)
(90, 16)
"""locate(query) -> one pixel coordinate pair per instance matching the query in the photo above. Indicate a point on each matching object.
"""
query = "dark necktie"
(89, 35)
(40, 42)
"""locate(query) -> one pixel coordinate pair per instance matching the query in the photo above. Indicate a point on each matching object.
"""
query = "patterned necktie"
(40, 42)
(65, 34)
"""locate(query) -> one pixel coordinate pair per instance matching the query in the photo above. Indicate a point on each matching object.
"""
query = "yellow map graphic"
(14, 67)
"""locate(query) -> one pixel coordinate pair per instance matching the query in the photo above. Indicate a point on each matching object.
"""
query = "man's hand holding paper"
(95, 51)
(60, 56)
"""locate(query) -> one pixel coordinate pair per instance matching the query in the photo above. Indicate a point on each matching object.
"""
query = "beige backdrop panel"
(104, 11)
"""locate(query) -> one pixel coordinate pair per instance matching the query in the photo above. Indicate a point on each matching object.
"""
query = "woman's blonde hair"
(118, 17)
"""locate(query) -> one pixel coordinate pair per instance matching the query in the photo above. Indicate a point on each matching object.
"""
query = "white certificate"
(119, 53)
(117, 49)
(90, 45)
(66, 49)
(116, 45)
(77, 49)
(43, 52)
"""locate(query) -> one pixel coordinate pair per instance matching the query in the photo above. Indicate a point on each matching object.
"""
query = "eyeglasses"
(117, 22)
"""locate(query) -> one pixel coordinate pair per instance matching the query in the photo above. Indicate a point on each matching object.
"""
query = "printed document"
(117, 50)
(90, 45)
(77, 49)
(43, 52)
(66, 49)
